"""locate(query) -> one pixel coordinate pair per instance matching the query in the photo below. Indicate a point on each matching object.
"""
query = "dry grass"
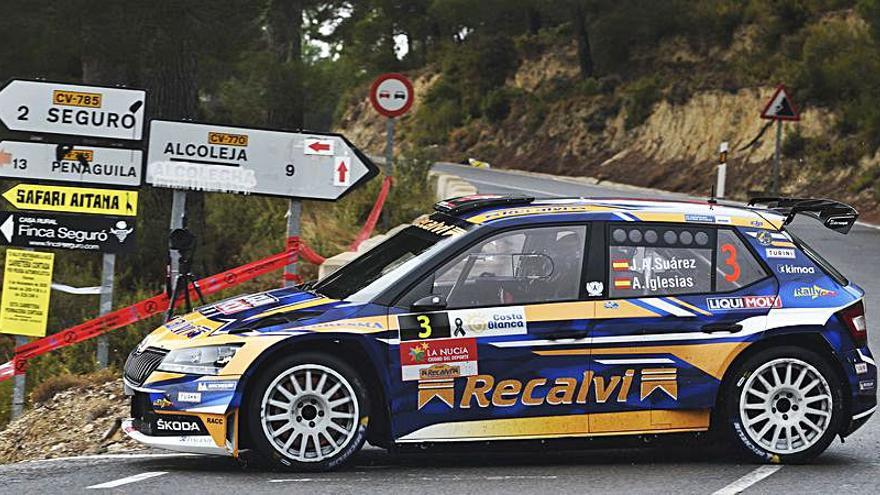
(56, 384)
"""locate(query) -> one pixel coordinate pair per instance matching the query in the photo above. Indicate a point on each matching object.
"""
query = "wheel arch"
(807, 338)
(349, 348)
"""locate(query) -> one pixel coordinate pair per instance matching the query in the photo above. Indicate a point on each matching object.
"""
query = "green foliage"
(794, 144)
(495, 106)
(640, 98)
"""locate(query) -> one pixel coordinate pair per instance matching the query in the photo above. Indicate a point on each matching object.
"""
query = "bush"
(495, 106)
(640, 99)
(56, 384)
(794, 144)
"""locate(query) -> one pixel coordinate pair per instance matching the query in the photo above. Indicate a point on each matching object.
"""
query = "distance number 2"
(425, 324)
(730, 251)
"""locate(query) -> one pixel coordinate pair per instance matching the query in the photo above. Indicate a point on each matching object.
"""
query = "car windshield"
(382, 266)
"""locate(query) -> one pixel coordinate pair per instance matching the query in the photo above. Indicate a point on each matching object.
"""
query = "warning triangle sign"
(780, 107)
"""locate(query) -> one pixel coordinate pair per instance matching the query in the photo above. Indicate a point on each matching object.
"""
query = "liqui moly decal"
(744, 302)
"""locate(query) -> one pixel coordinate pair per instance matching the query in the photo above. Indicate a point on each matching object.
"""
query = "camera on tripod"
(184, 242)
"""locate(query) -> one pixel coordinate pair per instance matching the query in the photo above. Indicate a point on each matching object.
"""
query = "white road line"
(748, 480)
(130, 479)
(513, 188)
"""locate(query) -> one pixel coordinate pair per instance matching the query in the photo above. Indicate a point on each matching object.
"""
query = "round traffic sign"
(392, 94)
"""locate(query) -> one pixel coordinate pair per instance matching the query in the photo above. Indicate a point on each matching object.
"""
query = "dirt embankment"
(77, 421)
(674, 148)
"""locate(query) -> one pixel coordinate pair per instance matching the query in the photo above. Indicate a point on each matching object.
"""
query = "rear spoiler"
(834, 215)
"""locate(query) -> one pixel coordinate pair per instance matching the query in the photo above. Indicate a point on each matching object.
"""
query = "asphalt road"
(848, 468)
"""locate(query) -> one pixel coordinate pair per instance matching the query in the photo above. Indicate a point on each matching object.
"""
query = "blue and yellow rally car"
(515, 318)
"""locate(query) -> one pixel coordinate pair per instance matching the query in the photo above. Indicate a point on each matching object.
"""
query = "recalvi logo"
(485, 391)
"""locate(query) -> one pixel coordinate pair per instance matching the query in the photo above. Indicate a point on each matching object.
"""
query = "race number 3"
(730, 260)
(424, 326)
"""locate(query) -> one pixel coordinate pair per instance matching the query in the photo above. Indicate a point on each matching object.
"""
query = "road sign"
(392, 94)
(780, 107)
(82, 164)
(187, 155)
(73, 199)
(80, 232)
(72, 109)
(27, 282)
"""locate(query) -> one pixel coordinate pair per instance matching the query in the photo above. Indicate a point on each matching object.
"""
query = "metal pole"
(389, 161)
(294, 212)
(18, 386)
(777, 157)
(107, 272)
(722, 170)
(178, 216)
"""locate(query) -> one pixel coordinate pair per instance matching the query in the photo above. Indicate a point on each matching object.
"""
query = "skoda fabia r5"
(500, 318)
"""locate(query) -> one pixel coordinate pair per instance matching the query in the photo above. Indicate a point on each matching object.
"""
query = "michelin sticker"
(488, 322)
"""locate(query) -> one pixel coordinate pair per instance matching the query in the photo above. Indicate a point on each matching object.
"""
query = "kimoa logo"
(485, 390)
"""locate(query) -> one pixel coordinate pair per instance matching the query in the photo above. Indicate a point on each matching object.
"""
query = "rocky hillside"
(651, 131)
(78, 421)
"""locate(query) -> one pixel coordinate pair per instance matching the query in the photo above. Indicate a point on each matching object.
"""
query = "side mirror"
(429, 303)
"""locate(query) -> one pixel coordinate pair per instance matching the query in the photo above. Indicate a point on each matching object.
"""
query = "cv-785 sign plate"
(71, 109)
(186, 155)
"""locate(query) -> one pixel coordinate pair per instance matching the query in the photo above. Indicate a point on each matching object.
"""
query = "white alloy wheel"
(309, 413)
(786, 406)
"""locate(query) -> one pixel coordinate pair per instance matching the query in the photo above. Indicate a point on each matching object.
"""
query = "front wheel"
(784, 405)
(308, 412)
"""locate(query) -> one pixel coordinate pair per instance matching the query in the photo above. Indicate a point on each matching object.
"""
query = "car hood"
(284, 311)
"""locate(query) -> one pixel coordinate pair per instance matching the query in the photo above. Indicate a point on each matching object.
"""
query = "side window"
(651, 260)
(515, 267)
(737, 267)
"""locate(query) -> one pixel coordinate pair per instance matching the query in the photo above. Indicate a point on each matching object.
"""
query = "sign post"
(722, 170)
(43, 107)
(294, 165)
(779, 108)
(391, 95)
(113, 114)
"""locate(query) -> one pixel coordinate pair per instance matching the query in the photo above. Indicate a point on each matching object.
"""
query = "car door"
(469, 370)
(683, 300)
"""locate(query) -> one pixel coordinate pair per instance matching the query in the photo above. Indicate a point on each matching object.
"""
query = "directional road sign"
(81, 232)
(82, 164)
(73, 199)
(780, 106)
(207, 157)
(392, 94)
(71, 109)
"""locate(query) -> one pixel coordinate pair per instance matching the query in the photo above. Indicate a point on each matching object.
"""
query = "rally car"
(500, 318)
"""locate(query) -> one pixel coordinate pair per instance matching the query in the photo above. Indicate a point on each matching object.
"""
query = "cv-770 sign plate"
(207, 157)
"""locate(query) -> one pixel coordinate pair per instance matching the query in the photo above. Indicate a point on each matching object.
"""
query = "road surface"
(848, 468)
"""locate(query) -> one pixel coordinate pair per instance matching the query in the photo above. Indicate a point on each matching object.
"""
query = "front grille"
(139, 365)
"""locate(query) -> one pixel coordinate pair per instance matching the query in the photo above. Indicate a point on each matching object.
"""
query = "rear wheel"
(308, 412)
(784, 405)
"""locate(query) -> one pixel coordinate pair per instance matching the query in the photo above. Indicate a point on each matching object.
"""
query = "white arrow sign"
(207, 157)
(70, 109)
(82, 164)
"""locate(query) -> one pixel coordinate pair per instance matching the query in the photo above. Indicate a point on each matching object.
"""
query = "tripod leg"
(186, 298)
(172, 299)
(199, 291)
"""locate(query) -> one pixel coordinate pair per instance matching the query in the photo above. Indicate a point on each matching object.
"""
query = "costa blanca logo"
(491, 321)
(745, 302)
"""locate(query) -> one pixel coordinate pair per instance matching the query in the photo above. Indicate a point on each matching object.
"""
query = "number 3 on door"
(425, 323)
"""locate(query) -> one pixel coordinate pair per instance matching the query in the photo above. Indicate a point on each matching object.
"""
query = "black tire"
(740, 436)
(268, 452)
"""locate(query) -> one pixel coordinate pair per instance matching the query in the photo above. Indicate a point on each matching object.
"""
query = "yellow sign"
(73, 199)
(76, 99)
(227, 139)
(73, 155)
(27, 280)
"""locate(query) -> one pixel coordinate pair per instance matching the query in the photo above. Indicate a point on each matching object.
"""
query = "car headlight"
(206, 360)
